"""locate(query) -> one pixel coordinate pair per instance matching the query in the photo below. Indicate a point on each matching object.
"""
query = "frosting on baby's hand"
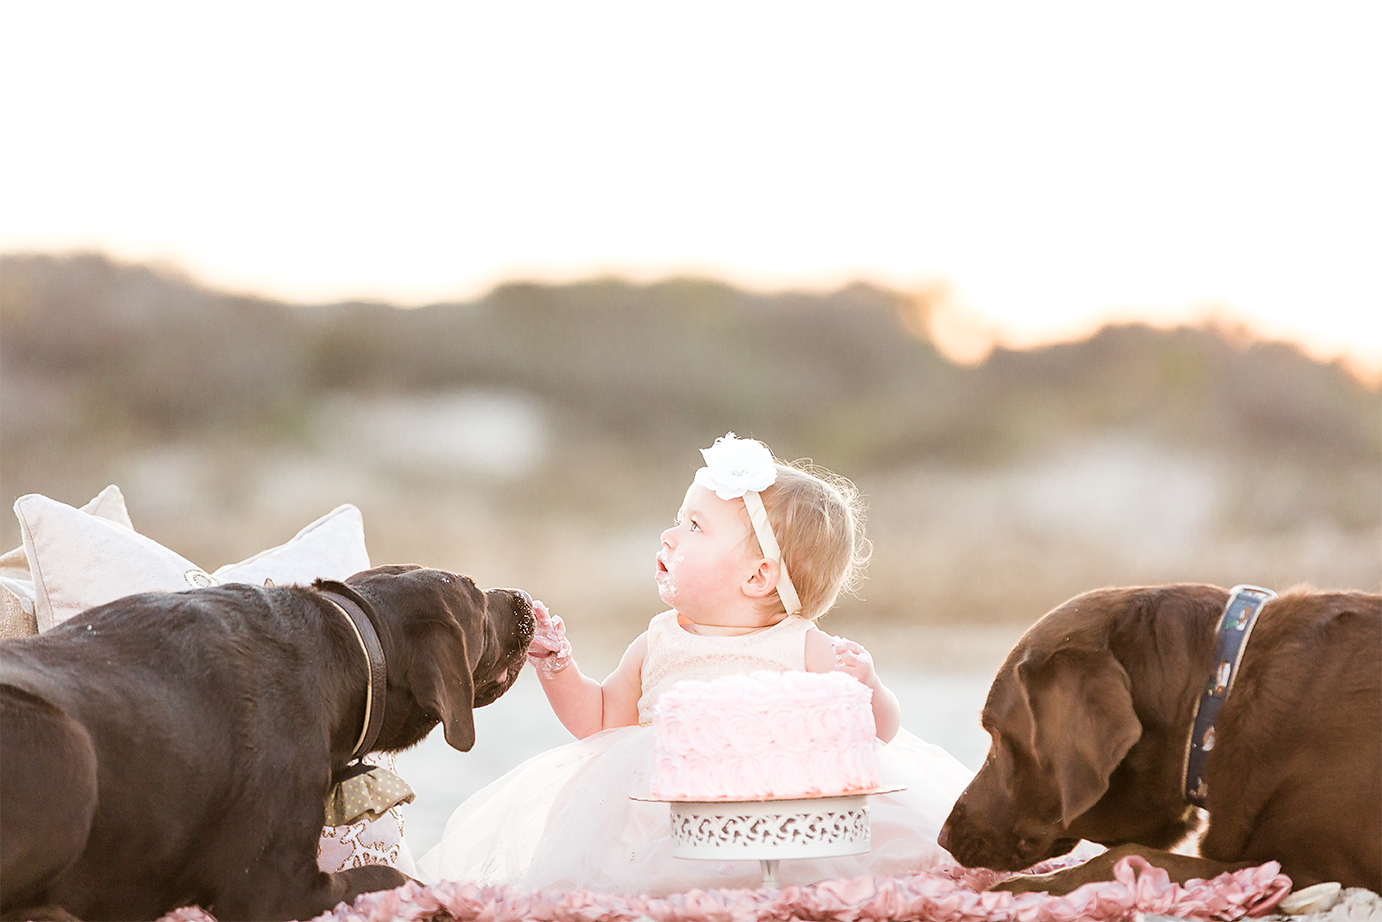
(549, 650)
(852, 659)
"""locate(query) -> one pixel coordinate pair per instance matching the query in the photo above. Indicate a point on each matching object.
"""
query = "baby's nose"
(667, 536)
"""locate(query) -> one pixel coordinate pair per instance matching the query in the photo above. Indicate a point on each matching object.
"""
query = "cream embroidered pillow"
(73, 559)
(17, 616)
(79, 560)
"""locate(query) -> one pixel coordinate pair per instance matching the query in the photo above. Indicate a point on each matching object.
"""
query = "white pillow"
(73, 559)
(17, 618)
(79, 560)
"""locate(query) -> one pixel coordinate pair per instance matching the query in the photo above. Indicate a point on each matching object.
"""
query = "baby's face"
(706, 555)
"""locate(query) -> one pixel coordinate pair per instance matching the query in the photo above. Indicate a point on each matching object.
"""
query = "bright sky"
(1053, 164)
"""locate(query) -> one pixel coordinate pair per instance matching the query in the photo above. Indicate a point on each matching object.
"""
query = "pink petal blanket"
(950, 894)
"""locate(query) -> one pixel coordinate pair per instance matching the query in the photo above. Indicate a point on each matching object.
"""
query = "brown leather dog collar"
(1231, 639)
(361, 618)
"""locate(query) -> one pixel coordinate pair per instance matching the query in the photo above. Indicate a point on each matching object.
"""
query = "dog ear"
(1083, 722)
(440, 679)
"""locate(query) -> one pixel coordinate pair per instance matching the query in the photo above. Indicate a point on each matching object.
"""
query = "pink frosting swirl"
(765, 734)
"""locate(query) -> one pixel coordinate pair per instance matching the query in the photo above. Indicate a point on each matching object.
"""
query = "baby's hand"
(853, 659)
(549, 650)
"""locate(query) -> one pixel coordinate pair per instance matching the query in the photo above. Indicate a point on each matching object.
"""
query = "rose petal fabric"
(949, 894)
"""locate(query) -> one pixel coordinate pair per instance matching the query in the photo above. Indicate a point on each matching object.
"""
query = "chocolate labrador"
(1091, 718)
(174, 749)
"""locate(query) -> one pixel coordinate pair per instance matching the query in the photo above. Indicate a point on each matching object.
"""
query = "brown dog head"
(1060, 715)
(449, 647)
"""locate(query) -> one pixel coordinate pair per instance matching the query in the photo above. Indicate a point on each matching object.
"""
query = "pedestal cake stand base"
(771, 830)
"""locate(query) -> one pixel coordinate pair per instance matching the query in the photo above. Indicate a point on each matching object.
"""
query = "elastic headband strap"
(768, 541)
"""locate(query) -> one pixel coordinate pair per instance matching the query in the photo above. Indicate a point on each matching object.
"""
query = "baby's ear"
(762, 581)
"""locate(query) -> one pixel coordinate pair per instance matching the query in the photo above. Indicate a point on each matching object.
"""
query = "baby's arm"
(584, 706)
(826, 654)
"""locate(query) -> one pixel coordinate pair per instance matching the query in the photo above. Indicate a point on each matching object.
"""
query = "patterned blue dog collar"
(1240, 614)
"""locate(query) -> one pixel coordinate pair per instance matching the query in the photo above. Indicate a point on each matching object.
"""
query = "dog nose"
(943, 838)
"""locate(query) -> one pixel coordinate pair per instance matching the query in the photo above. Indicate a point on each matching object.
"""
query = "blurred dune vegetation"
(543, 436)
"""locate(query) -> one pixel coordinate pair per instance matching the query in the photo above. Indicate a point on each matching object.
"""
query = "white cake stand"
(771, 829)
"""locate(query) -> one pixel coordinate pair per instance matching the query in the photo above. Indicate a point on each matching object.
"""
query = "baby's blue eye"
(695, 526)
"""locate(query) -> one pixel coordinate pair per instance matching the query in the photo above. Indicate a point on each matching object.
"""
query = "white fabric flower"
(735, 466)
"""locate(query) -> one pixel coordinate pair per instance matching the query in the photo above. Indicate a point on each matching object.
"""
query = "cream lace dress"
(564, 820)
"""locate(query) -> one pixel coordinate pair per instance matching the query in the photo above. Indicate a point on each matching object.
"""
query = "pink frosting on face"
(764, 735)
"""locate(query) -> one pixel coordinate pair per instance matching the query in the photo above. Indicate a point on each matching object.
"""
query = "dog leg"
(47, 797)
(42, 914)
(370, 878)
(344, 887)
(281, 889)
(1179, 868)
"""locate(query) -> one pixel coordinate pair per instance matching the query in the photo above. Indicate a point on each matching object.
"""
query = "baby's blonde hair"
(818, 520)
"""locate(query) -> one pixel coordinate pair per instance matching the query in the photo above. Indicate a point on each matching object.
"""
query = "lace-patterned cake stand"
(771, 829)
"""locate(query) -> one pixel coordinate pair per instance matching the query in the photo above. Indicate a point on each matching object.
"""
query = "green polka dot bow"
(365, 792)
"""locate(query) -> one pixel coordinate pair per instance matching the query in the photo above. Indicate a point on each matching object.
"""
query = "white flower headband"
(738, 467)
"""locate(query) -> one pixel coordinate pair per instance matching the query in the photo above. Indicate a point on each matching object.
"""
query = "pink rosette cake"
(764, 736)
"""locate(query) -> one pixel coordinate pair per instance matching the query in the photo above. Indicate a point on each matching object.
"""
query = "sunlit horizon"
(1047, 170)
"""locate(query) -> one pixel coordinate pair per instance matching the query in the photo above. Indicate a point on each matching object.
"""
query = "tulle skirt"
(564, 820)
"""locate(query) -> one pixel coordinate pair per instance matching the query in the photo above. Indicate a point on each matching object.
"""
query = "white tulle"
(564, 820)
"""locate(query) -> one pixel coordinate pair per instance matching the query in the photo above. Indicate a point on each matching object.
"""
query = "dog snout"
(512, 601)
(523, 607)
(975, 846)
(517, 599)
(511, 613)
(964, 842)
(952, 834)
